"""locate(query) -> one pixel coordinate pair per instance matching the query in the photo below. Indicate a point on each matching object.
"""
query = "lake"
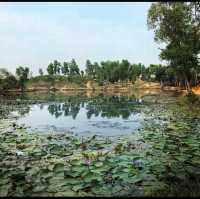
(103, 115)
(78, 113)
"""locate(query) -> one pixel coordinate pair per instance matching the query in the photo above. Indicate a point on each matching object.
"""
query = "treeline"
(103, 72)
(113, 71)
(119, 71)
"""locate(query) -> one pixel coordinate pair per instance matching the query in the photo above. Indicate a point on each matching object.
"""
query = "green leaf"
(99, 164)
(66, 193)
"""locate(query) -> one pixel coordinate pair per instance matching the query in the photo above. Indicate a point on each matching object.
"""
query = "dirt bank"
(140, 84)
(64, 86)
(196, 90)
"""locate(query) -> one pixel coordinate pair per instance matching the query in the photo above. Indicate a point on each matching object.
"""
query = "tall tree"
(124, 69)
(73, 68)
(90, 69)
(65, 68)
(50, 69)
(176, 25)
(56, 67)
(41, 72)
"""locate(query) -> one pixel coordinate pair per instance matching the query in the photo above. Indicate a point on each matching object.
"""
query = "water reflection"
(24, 111)
(104, 106)
(99, 113)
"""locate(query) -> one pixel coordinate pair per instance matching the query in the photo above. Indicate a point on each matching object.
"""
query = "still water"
(81, 114)
(103, 115)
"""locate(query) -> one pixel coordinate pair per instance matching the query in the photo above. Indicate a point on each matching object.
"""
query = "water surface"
(82, 114)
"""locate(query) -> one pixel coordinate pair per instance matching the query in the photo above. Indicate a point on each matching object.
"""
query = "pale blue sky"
(33, 34)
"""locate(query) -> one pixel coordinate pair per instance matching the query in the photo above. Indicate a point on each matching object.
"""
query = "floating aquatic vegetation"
(159, 159)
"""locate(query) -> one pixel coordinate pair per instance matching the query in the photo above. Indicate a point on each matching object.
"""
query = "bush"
(10, 82)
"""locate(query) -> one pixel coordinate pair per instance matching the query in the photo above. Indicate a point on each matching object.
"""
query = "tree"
(65, 68)
(124, 69)
(41, 72)
(73, 68)
(96, 68)
(22, 74)
(90, 71)
(177, 25)
(135, 71)
(7, 80)
(56, 67)
(50, 69)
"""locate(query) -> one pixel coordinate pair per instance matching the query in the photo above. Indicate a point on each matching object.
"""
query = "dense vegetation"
(161, 160)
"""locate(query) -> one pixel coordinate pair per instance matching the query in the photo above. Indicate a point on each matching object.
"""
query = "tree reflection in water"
(104, 106)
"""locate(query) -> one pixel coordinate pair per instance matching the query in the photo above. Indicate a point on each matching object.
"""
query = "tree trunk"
(161, 83)
(196, 79)
(187, 84)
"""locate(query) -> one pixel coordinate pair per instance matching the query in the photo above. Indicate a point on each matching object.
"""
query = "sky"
(33, 34)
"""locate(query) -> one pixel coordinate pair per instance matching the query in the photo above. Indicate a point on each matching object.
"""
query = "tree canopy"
(177, 25)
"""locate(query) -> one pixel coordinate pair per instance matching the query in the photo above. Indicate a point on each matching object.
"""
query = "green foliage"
(7, 80)
(65, 68)
(177, 25)
(22, 74)
(73, 68)
(113, 71)
(50, 69)
(162, 160)
(41, 72)
(90, 69)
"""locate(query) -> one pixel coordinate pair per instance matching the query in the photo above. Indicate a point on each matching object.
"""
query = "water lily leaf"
(73, 181)
(39, 188)
(66, 193)
(33, 171)
(79, 186)
(124, 176)
(92, 177)
(83, 193)
(76, 162)
(99, 164)
(79, 169)
(59, 167)
(84, 173)
(51, 166)
(5, 189)
(47, 175)
(4, 181)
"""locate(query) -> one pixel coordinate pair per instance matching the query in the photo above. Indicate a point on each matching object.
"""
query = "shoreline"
(167, 88)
